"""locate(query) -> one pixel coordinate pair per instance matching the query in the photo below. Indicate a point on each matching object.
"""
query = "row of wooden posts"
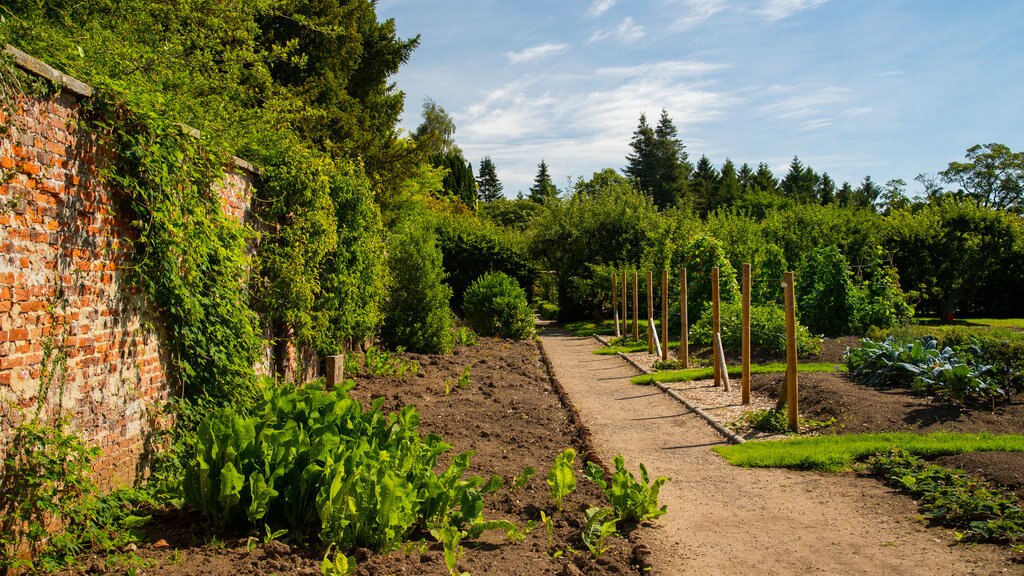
(659, 344)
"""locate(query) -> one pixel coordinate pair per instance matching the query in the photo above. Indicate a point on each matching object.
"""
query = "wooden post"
(650, 312)
(716, 322)
(684, 334)
(654, 333)
(791, 369)
(624, 317)
(664, 314)
(335, 370)
(720, 360)
(615, 302)
(636, 306)
(746, 334)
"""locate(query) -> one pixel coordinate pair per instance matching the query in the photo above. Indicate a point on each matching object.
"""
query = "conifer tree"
(543, 189)
(764, 180)
(704, 185)
(489, 188)
(826, 190)
(658, 164)
(727, 191)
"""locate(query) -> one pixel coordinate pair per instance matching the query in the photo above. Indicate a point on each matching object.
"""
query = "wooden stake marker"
(664, 314)
(791, 367)
(624, 317)
(716, 321)
(650, 312)
(747, 283)
(636, 306)
(720, 360)
(615, 303)
(684, 334)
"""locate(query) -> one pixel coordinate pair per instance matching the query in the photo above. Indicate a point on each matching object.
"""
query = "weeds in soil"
(833, 453)
(977, 511)
(776, 422)
(378, 362)
(464, 336)
(520, 480)
(463, 382)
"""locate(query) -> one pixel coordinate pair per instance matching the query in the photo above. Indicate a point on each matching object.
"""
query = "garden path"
(727, 520)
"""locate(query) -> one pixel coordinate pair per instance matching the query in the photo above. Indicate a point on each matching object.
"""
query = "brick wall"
(63, 286)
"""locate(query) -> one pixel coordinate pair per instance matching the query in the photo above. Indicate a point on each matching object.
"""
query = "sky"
(885, 88)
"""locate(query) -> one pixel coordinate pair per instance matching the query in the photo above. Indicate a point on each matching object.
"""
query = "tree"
(844, 196)
(436, 133)
(800, 183)
(458, 180)
(658, 163)
(543, 189)
(867, 194)
(894, 196)
(764, 180)
(826, 190)
(745, 175)
(993, 176)
(727, 191)
(488, 186)
(704, 185)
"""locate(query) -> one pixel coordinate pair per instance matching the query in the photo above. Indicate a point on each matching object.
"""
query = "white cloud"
(665, 69)
(697, 11)
(535, 52)
(627, 32)
(779, 9)
(805, 102)
(598, 7)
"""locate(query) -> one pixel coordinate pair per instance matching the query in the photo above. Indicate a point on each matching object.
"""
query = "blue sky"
(884, 88)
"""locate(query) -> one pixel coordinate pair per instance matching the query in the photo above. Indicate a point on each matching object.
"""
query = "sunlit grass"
(691, 374)
(833, 453)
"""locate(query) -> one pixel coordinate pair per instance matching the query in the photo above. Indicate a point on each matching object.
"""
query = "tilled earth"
(510, 416)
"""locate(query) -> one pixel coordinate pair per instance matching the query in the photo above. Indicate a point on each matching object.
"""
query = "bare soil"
(510, 416)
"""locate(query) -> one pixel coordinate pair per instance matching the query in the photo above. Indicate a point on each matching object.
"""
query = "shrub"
(417, 314)
(767, 330)
(825, 293)
(495, 305)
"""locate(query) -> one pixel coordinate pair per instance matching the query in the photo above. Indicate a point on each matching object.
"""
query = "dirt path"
(728, 520)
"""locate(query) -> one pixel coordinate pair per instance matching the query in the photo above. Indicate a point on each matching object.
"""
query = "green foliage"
(471, 248)
(465, 336)
(767, 330)
(633, 501)
(973, 507)
(495, 305)
(312, 459)
(417, 314)
(691, 374)
(520, 480)
(598, 526)
(824, 292)
(378, 362)
(777, 421)
(830, 453)
(45, 475)
(921, 364)
(562, 477)
(547, 310)
(338, 565)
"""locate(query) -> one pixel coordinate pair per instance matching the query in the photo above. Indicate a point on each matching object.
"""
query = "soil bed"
(510, 416)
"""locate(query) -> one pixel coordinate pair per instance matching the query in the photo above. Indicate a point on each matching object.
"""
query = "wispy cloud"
(598, 7)
(664, 69)
(627, 32)
(697, 11)
(779, 9)
(535, 52)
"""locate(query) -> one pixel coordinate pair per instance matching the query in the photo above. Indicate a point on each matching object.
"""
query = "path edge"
(718, 426)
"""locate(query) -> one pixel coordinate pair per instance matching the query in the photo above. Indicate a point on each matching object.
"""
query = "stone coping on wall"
(83, 90)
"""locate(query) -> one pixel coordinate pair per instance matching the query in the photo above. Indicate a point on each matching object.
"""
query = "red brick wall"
(63, 257)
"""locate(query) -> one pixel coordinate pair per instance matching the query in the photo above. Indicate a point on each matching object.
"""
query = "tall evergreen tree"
(745, 176)
(826, 190)
(658, 163)
(727, 191)
(458, 182)
(800, 183)
(844, 196)
(704, 185)
(543, 189)
(488, 186)
(764, 180)
(867, 193)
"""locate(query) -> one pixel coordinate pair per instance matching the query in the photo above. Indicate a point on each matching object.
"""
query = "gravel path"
(728, 520)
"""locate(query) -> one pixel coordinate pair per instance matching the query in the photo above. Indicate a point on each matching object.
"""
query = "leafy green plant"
(465, 336)
(378, 362)
(562, 477)
(337, 565)
(767, 329)
(974, 508)
(520, 480)
(633, 500)
(776, 421)
(464, 377)
(599, 525)
(495, 305)
(449, 537)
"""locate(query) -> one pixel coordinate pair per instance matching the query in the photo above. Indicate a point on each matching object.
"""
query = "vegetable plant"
(633, 500)
(599, 524)
(562, 477)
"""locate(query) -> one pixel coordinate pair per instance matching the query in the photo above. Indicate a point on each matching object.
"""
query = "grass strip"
(691, 374)
(834, 453)
(584, 329)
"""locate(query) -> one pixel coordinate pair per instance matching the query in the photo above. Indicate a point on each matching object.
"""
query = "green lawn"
(832, 453)
(585, 328)
(736, 371)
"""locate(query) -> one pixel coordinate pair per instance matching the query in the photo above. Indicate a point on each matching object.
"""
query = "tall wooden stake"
(615, 302)
(664, 314)
(791, 369)
(624, 317)
(636, 306)
(746, 334)
(650, 312)
(716, 321)
(684, 335)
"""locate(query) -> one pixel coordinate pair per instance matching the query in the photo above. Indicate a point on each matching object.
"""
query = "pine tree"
(543, 189)
(867, 193)
(844, 196)
(800, 182)
(639, 163)
(727, 191)
(459, 181)
(826, 190)
(488, 185)
(764, 180)
(745, 175)
(658, 164)
(704, 185)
